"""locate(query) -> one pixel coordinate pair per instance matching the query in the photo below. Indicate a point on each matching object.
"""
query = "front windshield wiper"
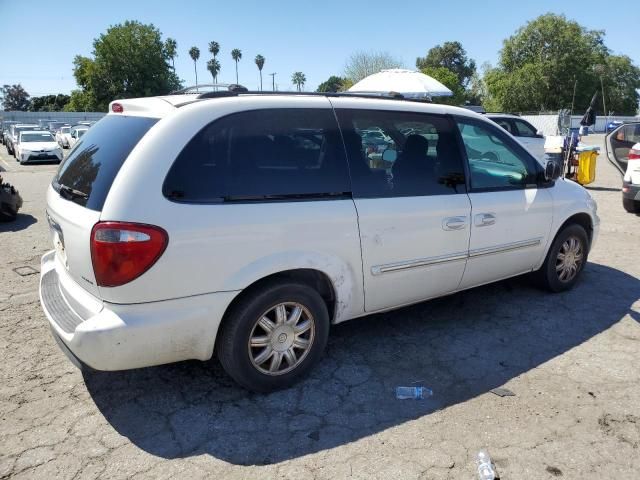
(72, 192)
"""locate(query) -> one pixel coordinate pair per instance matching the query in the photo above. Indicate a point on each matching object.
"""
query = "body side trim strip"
(454, 257)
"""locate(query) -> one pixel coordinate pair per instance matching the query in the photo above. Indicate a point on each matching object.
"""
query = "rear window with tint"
(272, 154)
(86, 175)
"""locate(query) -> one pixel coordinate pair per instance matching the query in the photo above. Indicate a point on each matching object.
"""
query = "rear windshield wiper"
(72, 192)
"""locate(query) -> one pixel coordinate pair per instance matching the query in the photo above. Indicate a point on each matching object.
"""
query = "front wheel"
(565, 260)
(273, 336)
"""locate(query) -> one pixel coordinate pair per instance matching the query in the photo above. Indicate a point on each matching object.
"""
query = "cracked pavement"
(572, 360)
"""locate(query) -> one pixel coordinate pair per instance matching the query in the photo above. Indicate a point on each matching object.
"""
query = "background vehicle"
(4, 133)
(63, 136)
(247, 225)
(526, 133)
(53, 126)
(14, 132)
(623, 151)
(76, 133)
(37, 146)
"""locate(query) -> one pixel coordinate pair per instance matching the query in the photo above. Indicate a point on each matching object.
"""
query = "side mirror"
(540, 134)
(389, 155)
(552, 171)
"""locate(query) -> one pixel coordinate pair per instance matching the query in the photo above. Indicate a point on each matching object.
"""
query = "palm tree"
(236, 54)
(299, 79)
(213, 66)
(171, 49)
(260, 63)
(214, 48)
(194, 53)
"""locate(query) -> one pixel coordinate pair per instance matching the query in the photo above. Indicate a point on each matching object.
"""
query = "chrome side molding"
(454, 257)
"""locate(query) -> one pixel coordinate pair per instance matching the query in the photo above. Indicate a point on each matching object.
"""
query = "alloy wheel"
(569, 259)
(281, 338)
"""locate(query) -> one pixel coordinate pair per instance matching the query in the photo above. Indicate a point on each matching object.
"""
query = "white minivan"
(245, 224)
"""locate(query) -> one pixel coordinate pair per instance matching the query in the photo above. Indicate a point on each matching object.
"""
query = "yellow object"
(587, 167)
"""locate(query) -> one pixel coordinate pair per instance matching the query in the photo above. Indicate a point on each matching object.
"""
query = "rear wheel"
(631, 205)
(273, 337)
(565, 260)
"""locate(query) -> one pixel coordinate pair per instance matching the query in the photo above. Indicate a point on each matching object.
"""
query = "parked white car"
(245, 224)
(524, 132)
(63, 136)
(14, 133)
(37, 146)
(76, 134)
(623, 151)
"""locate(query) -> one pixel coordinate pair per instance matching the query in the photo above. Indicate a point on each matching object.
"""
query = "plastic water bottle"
(485, 467)
(413, 393)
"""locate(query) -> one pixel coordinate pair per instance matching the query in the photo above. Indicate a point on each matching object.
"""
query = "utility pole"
(273, 80)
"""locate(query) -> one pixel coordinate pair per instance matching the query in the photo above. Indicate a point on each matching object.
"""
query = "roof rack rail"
(240, 90)
(215, 88)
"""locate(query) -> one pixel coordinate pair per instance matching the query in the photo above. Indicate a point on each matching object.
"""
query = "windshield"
(65, 129)
(36, 137)
(80, 132)
(95, 160)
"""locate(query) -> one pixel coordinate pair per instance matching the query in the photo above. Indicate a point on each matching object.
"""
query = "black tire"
(548, 276)
(631, 205)
(241, 320)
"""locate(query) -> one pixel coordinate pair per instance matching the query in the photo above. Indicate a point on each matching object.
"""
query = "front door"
(510, 216)
(413, 217)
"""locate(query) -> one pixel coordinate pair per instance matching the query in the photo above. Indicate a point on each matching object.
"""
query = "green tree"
(299, 79)
(362, 64)
(542, 61)
(213, 66)
(332, 84)
(450, 80)
(260, 63)
(621, 79)
(171, 50)
(236, 54)
(14, 97)
(80, 101)
(194, 53)
(451, 56)
(129, 60)
(49, 103)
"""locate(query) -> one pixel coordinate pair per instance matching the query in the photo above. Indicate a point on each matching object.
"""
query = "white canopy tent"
(408, 83)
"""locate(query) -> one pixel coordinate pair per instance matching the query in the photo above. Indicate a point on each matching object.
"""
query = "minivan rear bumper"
(107, 336)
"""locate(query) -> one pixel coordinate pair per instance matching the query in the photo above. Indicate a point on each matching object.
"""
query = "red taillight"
(117, 108)
(634, 154)
(121, 252)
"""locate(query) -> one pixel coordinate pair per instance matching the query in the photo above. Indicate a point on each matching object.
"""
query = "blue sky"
(315, 38)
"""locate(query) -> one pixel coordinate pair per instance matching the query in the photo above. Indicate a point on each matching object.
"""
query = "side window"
(629, 133)
(506, 125)
(394, 154)
(262, 155)
(524, 129)
(493, 162)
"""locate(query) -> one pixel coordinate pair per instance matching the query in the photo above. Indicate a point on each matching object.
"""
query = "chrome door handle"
(484, 219)
(454, 223)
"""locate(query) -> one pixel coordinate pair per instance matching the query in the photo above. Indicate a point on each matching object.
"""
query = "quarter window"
(494, 162)
(262, 155)
(524, 129)
(394, 154)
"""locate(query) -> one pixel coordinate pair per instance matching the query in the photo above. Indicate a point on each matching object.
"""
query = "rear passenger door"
(259, 192)
(413, 211)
